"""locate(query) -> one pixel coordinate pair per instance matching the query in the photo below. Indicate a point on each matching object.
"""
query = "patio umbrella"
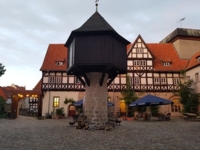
(150, 100)
(80, 103)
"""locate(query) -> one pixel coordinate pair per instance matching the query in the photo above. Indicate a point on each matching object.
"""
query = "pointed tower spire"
(96, 6)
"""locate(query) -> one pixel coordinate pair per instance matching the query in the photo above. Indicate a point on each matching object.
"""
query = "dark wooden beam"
(102, 78)
(108, 67)
(111, 79)
(82, 81)
(86, 79)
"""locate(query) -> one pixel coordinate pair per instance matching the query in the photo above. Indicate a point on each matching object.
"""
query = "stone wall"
(95, 101)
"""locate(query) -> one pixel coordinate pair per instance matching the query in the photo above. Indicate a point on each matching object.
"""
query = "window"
(188, 78)
(56, 102)
(176, 81)
(77, 80)
(166, 64)
(55, 79)
(139, 62)
(136, 80)
(59, 63)
(139, 50)
(156, 81)
(197, 77)
(163, 81)
(198, 58)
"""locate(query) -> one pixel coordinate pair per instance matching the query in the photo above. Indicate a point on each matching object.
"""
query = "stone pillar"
(95, 101)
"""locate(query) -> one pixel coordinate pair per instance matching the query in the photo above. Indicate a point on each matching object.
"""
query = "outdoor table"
(191, 116)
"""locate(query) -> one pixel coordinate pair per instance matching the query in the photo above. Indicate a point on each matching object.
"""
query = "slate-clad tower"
(96, 55)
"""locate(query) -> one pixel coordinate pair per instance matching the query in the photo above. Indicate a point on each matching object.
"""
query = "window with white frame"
(197, 77)
(136, 80)
(176, 81)
(59, 63)
(156, 81)
(139, 62)
(198, 58)
(163, 81)
(139, 50)
(166, 64)
(55, 79)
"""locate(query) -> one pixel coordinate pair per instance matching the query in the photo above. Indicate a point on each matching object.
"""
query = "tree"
(2, 70)
(69, 100)
(2, 103)
(188, 97)
(129, 96)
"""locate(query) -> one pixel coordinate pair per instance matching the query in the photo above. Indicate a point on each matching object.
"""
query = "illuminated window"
(108, 99)
(56, 101)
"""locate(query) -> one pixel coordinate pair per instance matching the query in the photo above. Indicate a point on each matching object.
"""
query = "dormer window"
(198, 58)
(166, 63)
(59, 63)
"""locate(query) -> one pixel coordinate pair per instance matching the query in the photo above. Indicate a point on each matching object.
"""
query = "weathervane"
(96, 4)
(181, 21)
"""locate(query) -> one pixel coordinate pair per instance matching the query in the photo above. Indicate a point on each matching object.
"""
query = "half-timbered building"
(154, 68)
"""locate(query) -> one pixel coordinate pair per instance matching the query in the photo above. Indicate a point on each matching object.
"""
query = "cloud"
(28, 27)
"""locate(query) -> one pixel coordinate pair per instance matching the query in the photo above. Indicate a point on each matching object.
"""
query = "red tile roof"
(38, 85)
(3, 94)
(193, 61)
(55, 52)
(166, 53)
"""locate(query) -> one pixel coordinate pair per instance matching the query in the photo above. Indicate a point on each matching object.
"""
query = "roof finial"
(96, 4)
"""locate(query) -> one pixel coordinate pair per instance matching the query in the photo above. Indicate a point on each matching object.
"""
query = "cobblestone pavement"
(26, 133)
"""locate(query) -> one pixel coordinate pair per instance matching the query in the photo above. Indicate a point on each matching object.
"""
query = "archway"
(72, 111)
(122, 107)
(176, 107)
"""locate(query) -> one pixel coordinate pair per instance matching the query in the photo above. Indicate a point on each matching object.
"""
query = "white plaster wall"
(191, 73)
(62, 96)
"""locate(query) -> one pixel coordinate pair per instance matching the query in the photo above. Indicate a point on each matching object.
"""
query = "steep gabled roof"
(193, 62)
(95, 25)
(130, 47)
(166, 52)
(55, 52)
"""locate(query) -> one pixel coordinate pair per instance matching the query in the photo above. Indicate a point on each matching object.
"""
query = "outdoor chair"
(167, 116)
(117, 122)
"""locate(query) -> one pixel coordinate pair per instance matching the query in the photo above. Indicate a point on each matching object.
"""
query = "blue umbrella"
(150, 100)
(80, 103)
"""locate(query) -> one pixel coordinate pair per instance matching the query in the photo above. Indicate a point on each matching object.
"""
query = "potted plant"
(59, 112)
